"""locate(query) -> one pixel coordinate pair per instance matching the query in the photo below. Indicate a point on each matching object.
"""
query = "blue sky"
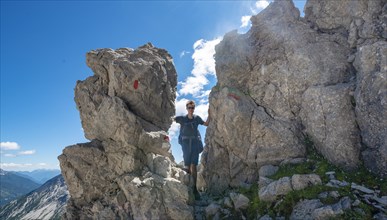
(43, 47)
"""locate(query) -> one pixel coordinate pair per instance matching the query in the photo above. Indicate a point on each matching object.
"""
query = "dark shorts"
(190, 152)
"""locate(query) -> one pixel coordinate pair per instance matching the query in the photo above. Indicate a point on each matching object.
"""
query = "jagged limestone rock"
(236, 152)
(290, 77)
(366, 23)
(371, 104)
(334, 16)
(329, 117)
(127, 171)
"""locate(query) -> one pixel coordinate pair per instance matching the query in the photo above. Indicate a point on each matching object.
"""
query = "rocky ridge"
(46, 202)
(288, 80)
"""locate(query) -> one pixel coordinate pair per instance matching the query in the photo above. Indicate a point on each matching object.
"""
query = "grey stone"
(323, 195)
(274, 189)
(264, 181)
(356, 203)
(265, 217)
(268, 170)
(303, 181)
(303, 209)
(380, 216)
(361, 188)
(227, 202)
(329, 117)
(212, 209)
(339, 183)
(239, 200)
(331, 211)
(371, 104)
(345, 203)
(382, 200)
(334, 194)
(324, 212)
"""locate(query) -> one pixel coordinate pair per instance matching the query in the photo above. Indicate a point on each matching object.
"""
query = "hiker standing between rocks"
(190, 140)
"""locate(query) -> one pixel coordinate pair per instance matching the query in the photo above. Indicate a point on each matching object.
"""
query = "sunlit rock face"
(364, 24)
(127, 171)
(322, 77)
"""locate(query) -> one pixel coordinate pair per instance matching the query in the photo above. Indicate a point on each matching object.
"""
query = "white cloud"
(180, 106)
(9, 155)
(204, 94)
(245, 21)
(27, 152)
(26, 166)
(262, 4)
(174, 130)
(202, 111)
(203, 56)
(193, 85)
(183, 53)
(14, 165)
(259, 6)
(204, 64)
(9, 146)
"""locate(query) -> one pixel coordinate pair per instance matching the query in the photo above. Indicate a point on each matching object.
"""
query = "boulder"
(275, 189)
(328, 115)
(303, 210)
(239, 200)
(303, 181)
(127, 171)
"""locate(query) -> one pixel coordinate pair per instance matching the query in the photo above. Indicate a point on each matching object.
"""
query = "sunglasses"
(190, 107)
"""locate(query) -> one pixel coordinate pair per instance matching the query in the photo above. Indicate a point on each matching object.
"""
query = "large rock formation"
(289, 78)
(127, 170)
(321, 78)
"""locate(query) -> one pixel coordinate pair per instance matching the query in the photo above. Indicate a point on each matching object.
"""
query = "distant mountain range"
(13, 186)
(46, 202)
(38, 176)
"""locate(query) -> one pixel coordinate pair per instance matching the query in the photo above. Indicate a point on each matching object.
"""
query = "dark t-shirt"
(189, 127)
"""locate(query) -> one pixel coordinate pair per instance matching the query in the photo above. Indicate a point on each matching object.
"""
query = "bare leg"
(194, 176)
(194, 173)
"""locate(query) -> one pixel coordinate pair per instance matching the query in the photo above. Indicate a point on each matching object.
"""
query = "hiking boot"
(186, 170)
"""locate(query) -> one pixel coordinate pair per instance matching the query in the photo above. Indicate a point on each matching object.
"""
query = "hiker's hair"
(190, 102)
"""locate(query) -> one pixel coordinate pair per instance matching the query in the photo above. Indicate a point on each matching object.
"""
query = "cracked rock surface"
(321, 77)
